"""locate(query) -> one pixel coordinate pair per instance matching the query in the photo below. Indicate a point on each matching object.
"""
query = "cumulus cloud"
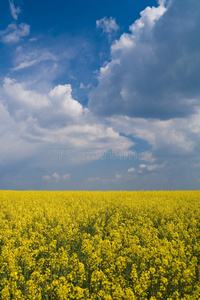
(108, 25)
(21, 99)
(130, 170)
(94, 179)
(171, 145)
(154, 69)
(118, 176)
(154, 167)
(66, 176)
(46, 177)
(14, 33)
(41, 123)
(59, 105)
(61, 96)
(56, 176)
(142, 166)
(150, 167)
(178, 135)
(15, 11)
(14, 147)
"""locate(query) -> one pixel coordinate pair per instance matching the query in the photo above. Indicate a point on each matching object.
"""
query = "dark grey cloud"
(154, 70)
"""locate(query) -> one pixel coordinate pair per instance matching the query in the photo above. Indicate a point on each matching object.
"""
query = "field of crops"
(100, 245)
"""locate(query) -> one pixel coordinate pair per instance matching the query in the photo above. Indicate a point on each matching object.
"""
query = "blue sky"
(99, 95)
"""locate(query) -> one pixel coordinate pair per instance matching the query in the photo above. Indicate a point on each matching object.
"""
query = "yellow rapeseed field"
(100, 245)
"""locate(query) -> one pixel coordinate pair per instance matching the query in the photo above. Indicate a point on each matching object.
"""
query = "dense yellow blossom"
(100, 245)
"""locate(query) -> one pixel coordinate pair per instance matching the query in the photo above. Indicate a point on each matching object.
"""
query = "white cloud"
(118, 176)
(25, 64)
(66, 176)
(82, 86)
(153, 69)
(46, 177)
(38, 123)
(17, 95)
(178, 135)
(130, 170)
(149, 16)
(108, 25)
(151, 167)
(33, 40)
(15, 11)
(61, 95)
(28, 62)
(170, 143)
(147, 156)
(142, 166)
(56, 176)
(14, 33)
(59, 105)
(94, 179)
(154, 167)
(14, 147)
